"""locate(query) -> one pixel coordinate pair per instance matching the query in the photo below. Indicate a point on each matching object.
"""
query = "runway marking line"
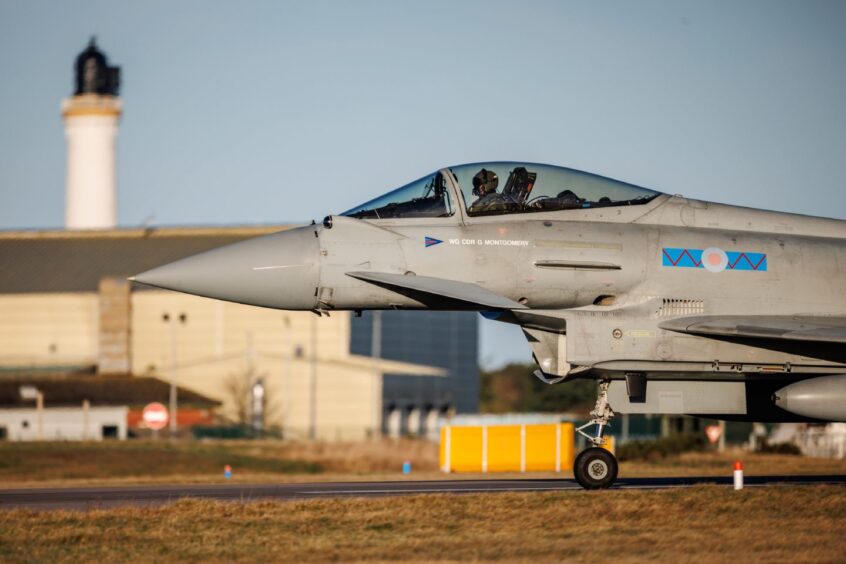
(449, 490)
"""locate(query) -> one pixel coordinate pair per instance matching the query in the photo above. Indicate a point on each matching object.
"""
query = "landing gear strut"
(596, 468)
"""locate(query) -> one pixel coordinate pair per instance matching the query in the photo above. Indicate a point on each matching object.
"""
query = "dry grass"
(720, 464)
(144, 462)
(384, 456)
(702, 524)
(23, 464)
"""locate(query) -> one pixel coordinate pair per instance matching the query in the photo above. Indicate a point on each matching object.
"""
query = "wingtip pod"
(823, 398)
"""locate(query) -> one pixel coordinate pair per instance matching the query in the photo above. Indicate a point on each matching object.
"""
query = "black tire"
(595, 468)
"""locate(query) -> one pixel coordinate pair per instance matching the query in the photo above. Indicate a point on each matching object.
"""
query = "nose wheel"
(596, 468)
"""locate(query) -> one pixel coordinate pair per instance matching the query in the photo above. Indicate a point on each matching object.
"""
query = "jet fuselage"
(607, 280)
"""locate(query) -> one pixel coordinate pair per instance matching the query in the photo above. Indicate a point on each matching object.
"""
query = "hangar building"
(65, 307)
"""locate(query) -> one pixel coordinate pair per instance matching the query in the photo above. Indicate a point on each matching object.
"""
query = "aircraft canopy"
(426, 197)
(503, 188)
(509, 187)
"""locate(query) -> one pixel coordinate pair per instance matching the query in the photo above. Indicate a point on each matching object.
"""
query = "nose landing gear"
(596, 468)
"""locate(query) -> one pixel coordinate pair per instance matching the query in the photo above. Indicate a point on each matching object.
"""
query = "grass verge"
(702, 524)
(155, 461)
(142, 462)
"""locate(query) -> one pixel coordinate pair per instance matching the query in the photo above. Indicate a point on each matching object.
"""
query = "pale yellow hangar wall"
(48, 329)
(220, 341)
(214, 329)
(218, 344)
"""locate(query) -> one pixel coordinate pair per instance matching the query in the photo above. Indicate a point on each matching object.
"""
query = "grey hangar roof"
(75, 261)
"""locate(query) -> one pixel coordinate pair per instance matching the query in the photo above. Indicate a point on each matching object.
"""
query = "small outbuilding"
(79, 408)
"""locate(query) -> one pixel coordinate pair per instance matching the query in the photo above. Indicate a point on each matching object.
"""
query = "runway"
(107, 497)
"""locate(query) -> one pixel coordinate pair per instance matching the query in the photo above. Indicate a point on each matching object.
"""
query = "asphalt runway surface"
(116, 496)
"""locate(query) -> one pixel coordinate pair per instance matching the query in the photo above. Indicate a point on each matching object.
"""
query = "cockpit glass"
(503, 187)
(427, 197)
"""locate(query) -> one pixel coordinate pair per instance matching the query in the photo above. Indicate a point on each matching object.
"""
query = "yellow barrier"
(610, 444)
(507, 448)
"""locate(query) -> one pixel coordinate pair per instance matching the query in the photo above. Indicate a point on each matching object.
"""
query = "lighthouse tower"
(91, 119)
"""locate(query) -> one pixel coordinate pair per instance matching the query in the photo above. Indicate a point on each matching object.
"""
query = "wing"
(436, 292)
(813, 336)
(790, 328)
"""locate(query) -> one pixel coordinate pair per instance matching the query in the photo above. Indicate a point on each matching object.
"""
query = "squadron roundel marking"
(714, 259)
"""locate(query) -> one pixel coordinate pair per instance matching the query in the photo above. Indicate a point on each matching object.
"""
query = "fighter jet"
(673, 305)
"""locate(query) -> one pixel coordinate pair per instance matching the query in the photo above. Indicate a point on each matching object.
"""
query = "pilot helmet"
(485, 182)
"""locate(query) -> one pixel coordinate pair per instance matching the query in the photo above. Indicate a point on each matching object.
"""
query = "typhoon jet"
(673, 305)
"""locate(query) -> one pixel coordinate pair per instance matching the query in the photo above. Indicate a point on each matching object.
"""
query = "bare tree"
(237, 386)
(239, 389)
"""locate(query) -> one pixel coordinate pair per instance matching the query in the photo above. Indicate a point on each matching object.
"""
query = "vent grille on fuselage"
(673, 307)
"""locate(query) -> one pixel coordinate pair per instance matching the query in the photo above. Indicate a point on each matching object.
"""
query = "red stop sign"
(155, 415)
(713, 433)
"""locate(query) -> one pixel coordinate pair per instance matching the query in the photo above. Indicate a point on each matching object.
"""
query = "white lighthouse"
(91, 119)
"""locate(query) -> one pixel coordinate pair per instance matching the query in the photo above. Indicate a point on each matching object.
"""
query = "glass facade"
(447, 340)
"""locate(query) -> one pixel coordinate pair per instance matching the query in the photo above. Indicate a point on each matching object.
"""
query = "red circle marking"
(155, 416)
(714, 259)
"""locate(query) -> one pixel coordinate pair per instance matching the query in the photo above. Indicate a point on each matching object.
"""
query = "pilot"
(488, 200)
(569, 199)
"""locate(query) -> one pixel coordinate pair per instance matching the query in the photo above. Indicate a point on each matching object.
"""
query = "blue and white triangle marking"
(431, 241)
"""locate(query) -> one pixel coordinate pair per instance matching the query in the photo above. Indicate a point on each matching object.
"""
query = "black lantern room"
(93, 74)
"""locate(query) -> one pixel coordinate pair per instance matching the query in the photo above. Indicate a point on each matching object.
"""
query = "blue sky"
(266, 112)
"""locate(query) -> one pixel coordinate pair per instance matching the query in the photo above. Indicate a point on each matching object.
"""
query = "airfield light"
(33, 393)
(738, 475)
(172, 320)
(312, 404)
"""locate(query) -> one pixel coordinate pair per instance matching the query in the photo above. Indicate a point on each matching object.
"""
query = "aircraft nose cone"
(278, 271)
